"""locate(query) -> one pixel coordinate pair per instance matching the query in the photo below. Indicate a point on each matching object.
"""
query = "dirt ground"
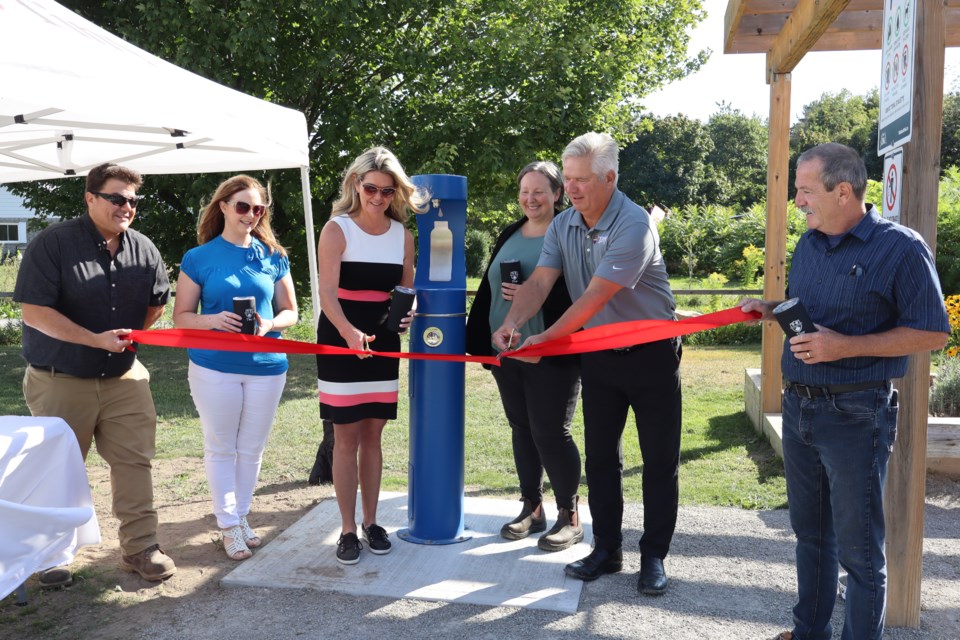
(106, 602)
(92, 607)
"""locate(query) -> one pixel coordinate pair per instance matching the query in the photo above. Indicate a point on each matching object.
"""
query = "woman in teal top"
(539, 399)
(236, 394)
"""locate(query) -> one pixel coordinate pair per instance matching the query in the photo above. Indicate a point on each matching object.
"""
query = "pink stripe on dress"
(363, 295)
(351, 400)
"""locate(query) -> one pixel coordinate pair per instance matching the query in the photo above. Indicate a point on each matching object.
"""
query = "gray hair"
(549, 171)
(838, 163)
(601, 147)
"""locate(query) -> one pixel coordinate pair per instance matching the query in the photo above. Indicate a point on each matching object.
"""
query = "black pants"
(540, 400)
(648, 380)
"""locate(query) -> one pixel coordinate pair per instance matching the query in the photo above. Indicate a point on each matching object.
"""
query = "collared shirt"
(68, 267)
(879, 276)
(622, 247)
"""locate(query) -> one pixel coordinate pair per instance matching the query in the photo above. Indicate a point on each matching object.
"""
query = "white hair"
(601, 147)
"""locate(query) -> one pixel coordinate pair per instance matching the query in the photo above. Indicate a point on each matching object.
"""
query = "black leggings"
(539, 401)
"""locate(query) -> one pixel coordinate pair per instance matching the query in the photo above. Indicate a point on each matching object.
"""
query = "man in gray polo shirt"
(607, 250)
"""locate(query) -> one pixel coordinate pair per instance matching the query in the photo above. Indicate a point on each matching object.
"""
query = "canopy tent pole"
(311, 242)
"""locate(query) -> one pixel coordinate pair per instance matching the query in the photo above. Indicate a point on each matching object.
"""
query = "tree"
(840, 117)
(738, 160)
(667, 163)
(475, 87)
(950, 139)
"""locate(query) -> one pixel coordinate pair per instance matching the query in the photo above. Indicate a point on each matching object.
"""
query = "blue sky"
(739, 79)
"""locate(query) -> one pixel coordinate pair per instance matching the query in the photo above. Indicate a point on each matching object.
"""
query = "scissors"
(509, 343)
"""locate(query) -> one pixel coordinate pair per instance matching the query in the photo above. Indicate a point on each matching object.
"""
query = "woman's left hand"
(262, 328)
(406, 321)
(508, 290)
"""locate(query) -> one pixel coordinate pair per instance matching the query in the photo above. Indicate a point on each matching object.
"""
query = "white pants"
(236, 412)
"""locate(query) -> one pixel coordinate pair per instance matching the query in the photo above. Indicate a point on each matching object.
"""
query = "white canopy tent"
(73, 96)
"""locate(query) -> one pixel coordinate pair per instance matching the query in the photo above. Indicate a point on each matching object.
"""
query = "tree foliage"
(667, 163)
(473, 87)
(840, 117)
(678, 161)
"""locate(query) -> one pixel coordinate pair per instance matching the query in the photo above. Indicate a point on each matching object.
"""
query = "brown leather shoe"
(152, 564)
(525, 523)
(564, 533)
(786, 635)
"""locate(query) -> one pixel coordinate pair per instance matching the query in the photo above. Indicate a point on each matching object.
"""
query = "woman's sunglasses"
(118, 200)
(243, 208)
(371, 189)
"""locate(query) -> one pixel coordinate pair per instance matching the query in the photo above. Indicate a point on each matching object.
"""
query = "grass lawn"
(723, 461)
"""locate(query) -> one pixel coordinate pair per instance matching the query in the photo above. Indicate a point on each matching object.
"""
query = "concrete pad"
(485, 570)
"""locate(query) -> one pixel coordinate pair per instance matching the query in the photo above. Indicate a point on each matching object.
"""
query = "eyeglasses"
(371, 189)
(243, 208)
(118, 200)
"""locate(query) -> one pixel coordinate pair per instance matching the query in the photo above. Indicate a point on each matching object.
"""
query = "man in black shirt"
(83, 285)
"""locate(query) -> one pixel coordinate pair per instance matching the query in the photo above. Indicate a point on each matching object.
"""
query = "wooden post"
(774, 279)
(906, 480)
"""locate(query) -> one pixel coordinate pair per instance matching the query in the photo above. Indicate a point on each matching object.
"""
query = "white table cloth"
(46, 511)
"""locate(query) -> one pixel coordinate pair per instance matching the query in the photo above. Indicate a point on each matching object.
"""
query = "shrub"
(747, 269)
(477, 251)
(945, 395)
(732, 334)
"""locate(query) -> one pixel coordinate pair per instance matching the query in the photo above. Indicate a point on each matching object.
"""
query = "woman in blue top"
(236, 394)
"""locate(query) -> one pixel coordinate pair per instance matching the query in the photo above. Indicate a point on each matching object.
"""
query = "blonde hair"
(407, 198)
(211, 220)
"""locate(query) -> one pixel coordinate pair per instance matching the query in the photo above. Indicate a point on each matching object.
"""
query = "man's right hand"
(752, 304)
(113, 340)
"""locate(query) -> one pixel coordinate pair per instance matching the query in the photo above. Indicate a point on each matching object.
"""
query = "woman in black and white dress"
(364, 252)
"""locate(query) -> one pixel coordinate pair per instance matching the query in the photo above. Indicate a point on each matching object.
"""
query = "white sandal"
(249, 535)
(234, 545)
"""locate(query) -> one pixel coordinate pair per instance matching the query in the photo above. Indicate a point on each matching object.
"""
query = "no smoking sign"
(892, 184)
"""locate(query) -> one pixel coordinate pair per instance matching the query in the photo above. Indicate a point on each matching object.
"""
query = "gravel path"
(731, 576)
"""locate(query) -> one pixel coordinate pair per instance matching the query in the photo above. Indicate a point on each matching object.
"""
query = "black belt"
(47, 369)
(632, 347)
(806, 391)
(637, 347)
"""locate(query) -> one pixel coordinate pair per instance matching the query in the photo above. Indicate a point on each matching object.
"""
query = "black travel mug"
(510, 271)
(793, 317)
(400, 304)
(246, 308)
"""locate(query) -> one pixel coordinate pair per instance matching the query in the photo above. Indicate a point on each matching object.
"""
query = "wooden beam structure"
(786, 30)
(752, 26)
(775, 264)
(906, 483)
(803, 29)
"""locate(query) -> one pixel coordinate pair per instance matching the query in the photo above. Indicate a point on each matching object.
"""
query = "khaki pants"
(118, 414)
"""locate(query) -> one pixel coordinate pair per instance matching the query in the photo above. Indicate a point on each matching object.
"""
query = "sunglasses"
(371, 189)
(118, 200)
(243, 208)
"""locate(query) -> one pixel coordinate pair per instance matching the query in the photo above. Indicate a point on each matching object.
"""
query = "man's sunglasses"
(371, 189)
(243, 208)
(118, 200)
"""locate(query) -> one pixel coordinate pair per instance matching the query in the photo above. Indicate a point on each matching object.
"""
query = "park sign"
(896, 81)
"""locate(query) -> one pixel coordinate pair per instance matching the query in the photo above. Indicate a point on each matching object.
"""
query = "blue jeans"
(835, 452)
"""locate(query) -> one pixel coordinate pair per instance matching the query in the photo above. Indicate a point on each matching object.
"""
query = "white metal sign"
(892, 184)
(896, 80)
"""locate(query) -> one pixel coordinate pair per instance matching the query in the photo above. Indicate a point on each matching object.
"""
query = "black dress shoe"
(599, 562)
(653, 579)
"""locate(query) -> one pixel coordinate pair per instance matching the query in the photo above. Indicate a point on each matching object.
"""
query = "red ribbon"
(628, 334)
(611, 336)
